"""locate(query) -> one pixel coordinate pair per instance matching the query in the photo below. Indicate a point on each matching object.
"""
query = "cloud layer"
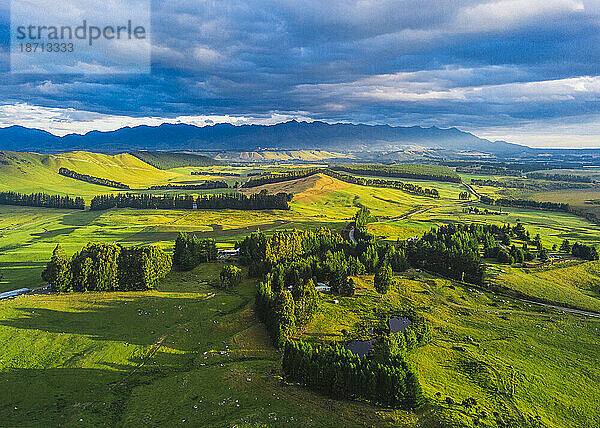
(504, 69)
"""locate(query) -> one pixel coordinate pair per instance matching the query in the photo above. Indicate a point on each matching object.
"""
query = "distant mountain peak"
(290, 135)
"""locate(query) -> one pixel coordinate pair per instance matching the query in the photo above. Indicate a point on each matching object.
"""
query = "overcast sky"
(525, 71)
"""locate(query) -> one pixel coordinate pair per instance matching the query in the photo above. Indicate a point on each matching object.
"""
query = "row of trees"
(91, 179)
(142, 201)
(41, 200)
(190, 251)
(561, 177)
(295, 174)
(380, 182)
(414, 171)
(239, 201)
(530, 184)
(514, 184)
(527, 203)
(207, 185)
(336, 372)
(220, 174)
(234, 201)
(106, 267)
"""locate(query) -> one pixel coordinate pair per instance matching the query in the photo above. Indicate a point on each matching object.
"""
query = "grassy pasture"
(576, 286)
(133, 359)
(184, 354)
(510, 356)
(32, 172)
(553, 227)
(30, 234)
(188, 353)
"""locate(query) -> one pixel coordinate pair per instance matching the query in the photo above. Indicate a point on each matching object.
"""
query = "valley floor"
(189, 353)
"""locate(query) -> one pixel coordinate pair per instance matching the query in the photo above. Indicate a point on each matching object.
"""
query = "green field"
(32, 172)
(189, 353)
(30, 234)
(581, 199)
(510, 356)
(183, 354)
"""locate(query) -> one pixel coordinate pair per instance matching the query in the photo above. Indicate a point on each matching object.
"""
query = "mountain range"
(290, 135)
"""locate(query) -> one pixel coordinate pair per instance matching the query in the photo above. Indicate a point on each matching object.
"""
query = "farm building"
(323, 288)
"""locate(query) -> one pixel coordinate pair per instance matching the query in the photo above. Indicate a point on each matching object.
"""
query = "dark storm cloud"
(442, 62)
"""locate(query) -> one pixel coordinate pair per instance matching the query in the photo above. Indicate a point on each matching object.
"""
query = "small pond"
(399, 324)
(362, 347)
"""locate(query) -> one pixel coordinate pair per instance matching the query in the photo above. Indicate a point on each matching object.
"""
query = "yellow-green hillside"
(33, 172)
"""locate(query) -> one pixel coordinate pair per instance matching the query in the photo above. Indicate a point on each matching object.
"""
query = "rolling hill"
(34, 172)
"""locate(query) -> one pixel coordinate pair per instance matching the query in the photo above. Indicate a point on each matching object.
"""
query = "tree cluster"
(91, 179)
(507, 256)
(383, 279)
(106, 267)
(41, 200)
(297, 260)
(207, 185)
(585, 252)
(336, 372)
(230, 276)
(190, 251)
(451, 250)
(387, 346)
(529, 184)
(497, 244)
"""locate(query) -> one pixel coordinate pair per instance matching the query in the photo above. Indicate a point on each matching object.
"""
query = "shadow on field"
(139, 321)
(16, 264)
(151, 234)
(82, 218)
(51, 234)
(61, 395)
